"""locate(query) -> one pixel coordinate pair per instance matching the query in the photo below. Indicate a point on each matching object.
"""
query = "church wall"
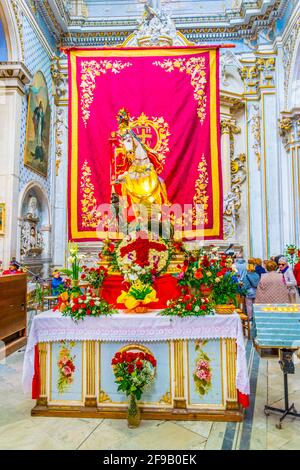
(30, 52)
(288, 114)
(272, 192)
(37, 59)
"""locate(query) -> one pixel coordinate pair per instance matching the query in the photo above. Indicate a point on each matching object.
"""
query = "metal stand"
(289, 410)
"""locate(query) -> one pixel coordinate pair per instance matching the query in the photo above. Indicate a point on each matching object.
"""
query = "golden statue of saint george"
(140, 183)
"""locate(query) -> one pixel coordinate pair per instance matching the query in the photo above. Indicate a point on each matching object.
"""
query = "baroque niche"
(34, 221)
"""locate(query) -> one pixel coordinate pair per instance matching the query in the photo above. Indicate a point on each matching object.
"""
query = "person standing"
(240, 265)
(289, 279)
(250, 282)
(259, 269)
(271, 288)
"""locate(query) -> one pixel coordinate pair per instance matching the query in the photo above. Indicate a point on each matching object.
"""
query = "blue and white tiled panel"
(276, 325)
(66, 372)
(206, 374)
(160, 388)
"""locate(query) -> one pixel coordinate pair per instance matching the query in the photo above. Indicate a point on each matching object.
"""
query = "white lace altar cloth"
(52, 326)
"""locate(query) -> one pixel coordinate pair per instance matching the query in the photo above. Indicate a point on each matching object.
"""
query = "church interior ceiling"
(103, 22)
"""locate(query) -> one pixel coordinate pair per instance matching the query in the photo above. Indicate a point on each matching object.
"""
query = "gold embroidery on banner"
(90, 217)
(200, 197)
(162, 133)
(90, 69)
(195, 67)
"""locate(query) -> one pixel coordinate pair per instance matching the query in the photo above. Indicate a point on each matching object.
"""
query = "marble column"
(225, 155)
(289, 129)
(13, 78)
(46, 234)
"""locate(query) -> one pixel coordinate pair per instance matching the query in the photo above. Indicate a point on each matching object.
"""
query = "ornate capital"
(228, 126)
(289, 128)
(250, 76)
(266, 67)
(258, 74)
(15, 75)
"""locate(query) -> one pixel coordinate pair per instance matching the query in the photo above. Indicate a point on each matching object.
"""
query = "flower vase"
(96, 291)
(133, 413)
(138, 309)
(75, 286)
(194, 290)
(205, 290)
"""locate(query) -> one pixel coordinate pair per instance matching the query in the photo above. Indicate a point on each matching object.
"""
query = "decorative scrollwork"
(166, 398)
(232, 200)
(256, 132)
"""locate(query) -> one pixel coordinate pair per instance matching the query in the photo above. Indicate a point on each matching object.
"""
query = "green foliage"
(188, 305)
(140, 293)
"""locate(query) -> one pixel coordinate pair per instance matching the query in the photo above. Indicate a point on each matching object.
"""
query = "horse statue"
(140, 183)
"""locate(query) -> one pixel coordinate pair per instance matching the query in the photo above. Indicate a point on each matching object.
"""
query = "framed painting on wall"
(2, 218)
(36, 154)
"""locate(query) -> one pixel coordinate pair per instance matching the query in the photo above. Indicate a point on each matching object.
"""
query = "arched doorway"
(34, 229)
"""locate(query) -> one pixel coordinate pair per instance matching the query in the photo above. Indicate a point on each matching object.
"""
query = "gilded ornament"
(18, 15)
(166, 398)
(104, 398)
(90, 69)
(232, 200)
(201, 197)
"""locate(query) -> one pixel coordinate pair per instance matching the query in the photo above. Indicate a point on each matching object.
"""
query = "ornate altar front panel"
(200, 370)
(90, 388)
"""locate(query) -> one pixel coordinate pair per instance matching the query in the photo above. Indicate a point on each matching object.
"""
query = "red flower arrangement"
(134, 371)
(94, 276)
(79, 306)
(188, 305)
(211, 274)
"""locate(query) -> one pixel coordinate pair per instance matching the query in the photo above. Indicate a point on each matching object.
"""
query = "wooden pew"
(13, 293)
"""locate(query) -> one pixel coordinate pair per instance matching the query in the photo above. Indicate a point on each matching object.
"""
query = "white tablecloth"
(52, 326)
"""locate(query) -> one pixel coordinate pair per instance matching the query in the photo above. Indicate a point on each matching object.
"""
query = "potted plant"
(80, 306)
(137, 297)
(188, 305)
(94, 277)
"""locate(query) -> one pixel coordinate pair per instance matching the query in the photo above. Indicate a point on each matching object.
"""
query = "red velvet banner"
(172, 97)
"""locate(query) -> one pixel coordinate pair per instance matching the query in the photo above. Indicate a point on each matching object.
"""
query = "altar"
(178, 344)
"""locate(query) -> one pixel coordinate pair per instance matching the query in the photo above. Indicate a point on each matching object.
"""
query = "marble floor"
(18, 430)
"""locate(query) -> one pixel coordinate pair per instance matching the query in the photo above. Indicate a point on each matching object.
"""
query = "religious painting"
(2, 218)
(205, 376)
(66, 371)
(36, 154)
